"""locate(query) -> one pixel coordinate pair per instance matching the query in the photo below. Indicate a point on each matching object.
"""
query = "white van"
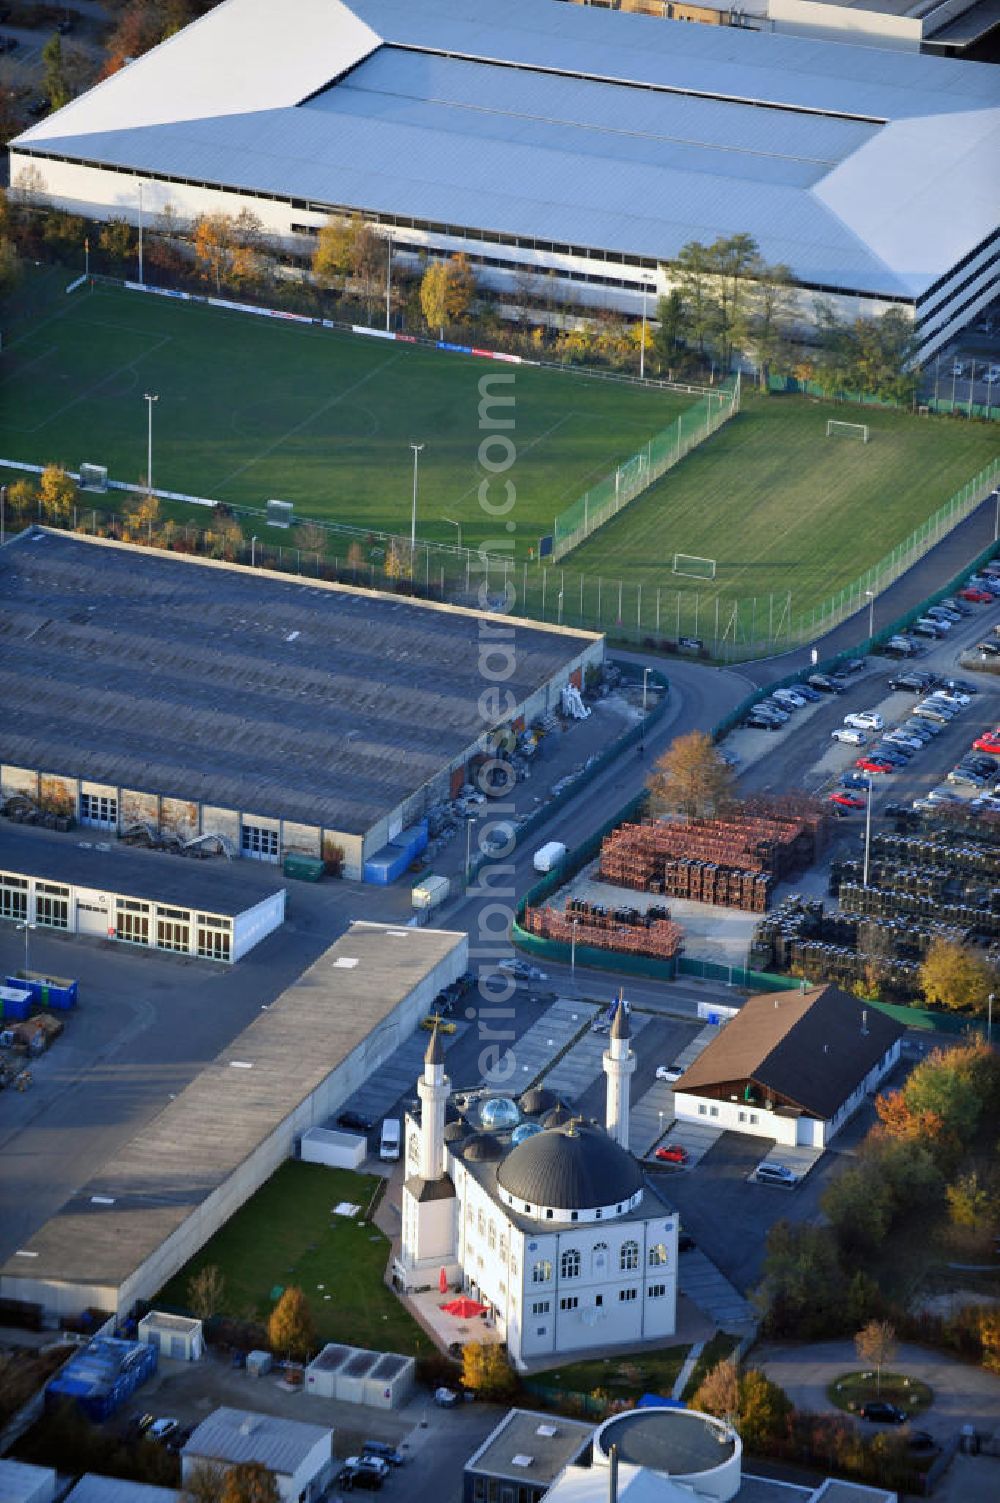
(388, 1147)
(548, 856)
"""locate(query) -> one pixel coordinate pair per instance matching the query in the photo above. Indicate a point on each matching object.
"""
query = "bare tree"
(876, 1343)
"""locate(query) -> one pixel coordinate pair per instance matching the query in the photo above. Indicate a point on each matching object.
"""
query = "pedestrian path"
(582, 1064)
(545, 1040)
(690, 1361)
(712, 1292)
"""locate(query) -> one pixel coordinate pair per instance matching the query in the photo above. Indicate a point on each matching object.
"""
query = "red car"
(977, 596)
(672, 1153)
(846, 799)
(989, 741)
(873, 764)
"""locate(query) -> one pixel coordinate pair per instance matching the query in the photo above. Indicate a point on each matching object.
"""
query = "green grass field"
(781, 507)
(251, 408)
(286, 1235)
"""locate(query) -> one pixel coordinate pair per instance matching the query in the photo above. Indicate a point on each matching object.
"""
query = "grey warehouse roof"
(211, 682)
(861, 168)
(174, 1163)
(93, 1488)
(217, 886)
(235, 1435)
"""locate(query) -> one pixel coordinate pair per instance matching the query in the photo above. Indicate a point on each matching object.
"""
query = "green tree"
(291, 1330)
(10, 265)
(116, 239)
(671, 326)
(956, 976)
(973, 1204)
(859, 1209)
(769, 324)
(801, 1293)
(54, 80)
(692, 273)
(765, 1410)
(446, 292)
(958, 1085)
(734, 261)
(690, 778)
(876, 1344)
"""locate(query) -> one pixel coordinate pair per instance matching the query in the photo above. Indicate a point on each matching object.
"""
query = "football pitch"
(251, 408)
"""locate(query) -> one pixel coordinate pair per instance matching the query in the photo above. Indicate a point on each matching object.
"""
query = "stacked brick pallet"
(729, 862)
(607, 929)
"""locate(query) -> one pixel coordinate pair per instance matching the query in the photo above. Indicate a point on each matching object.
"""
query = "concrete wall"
(846, 23)
(251, 926)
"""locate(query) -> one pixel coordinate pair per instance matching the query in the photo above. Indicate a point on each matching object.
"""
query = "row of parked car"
(980, 589)
(940, 701)
(772, 713)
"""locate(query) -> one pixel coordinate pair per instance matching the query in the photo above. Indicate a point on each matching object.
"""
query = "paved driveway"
(963, 1395)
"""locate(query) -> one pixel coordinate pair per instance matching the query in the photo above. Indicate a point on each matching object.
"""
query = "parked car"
(848, 736)
(931, 711)
(912, 680)
(853, 780)
(789, 698)
(942, 613)
(446, 1398)
(988, 649)
(879, 1412)
(865, 720)
(760, 723)
(822, 683)
(965, 777)
(874, 764)
(161, 1428)
(356, 1121)
(672, 1153)
(961, 685)
(374, 1464)
(976, 594)
(769, 1173)
(383, 1449)
(907, 742)
(668, 1072)
(923, 730)
(809, 693)
(886, 753)
(921, 1440)
(846, 798)
(989, 741)
(927, 628)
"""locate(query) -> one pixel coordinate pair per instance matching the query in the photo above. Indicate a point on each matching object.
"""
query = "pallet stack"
(607, 929)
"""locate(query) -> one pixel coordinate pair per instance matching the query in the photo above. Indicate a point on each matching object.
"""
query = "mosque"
(542, 1216)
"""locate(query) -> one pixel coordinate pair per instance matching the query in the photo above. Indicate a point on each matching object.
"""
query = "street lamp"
(253, 552)
(989, 1020)
(27, 928)
(150, 398)
(3, 514)
(452, 523)
(868, 828)
(560, 603)
(642, 346)
(413, 514)
(388, 281)
(871, 613)
(468, 846)
(572, 952)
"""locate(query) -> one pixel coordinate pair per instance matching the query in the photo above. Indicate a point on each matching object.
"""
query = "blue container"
(15, 1009)
(47, 991)
(103, 1375)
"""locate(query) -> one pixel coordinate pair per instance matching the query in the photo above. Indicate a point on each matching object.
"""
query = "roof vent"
(240, 1064)
(248, 1424)
(521, 1460)
(344, 963)
(547, 1430)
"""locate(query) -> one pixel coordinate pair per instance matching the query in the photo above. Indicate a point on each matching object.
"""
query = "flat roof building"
(557, 141)
(154, 691)
(210, 909)
(525, 1453)
(168, 1190)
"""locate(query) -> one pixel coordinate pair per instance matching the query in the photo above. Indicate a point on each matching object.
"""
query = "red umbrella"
(464, 1308)
(442, 1282)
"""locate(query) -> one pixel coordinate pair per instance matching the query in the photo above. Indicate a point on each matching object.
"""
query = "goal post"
(694, 566)
(836, 428)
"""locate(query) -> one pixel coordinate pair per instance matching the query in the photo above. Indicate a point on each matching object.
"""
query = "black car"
(886, 753)
(761, 723)
(356, 1120)
(921, 1440)
(989, 649)
(352, 1478)
(916, 683)
(383, 1451)
(879, 1412)
(856, 665)
(958, 686)
(822, 683)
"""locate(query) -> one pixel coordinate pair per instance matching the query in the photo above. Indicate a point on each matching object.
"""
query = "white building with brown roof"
(792, 1066)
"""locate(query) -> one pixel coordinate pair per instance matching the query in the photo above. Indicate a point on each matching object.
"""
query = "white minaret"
(433, 1089)
(619, 1063)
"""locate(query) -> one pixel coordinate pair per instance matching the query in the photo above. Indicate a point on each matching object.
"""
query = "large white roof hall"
(866, 171)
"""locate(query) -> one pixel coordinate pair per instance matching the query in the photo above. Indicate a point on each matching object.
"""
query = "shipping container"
(304, 868)
(15, 1003)
(47, 991)
(430, 891)
(548, 856)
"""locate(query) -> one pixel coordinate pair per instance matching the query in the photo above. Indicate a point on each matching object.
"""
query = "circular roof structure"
(577, 1167)
(684, 1443)
(483, 1146)
(537, 1099)
(526, 1130)
(499, 1112)
(454, 1131)
(558, 1116)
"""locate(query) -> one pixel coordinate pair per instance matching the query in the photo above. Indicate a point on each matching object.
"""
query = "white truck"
(388, 1147)
(430, 891)
(549, 856)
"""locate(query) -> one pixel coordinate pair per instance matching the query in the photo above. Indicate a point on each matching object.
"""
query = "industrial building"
(791, 1066)
(299, 1456)
(159, 902)
(169, 1189)
(150, 691)
(561, 148)
(522, 1457)
(382, 1380)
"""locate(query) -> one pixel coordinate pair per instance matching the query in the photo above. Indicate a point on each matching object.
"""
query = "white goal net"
(835, 429)
(695, 566)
